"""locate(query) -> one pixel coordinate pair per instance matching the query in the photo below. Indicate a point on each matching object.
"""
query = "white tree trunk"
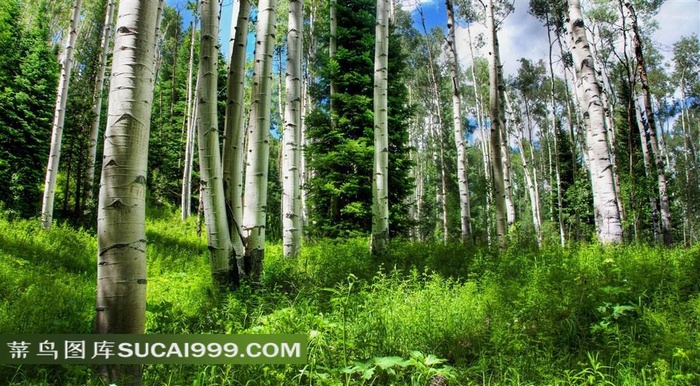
(462, 167)
(644, 140)
(499, 192)
(437, 128)
(380, 178)
(534, 201)
(210, 170)
(186, 198)
(254, 211)
(555, 134)
(291, 145)
(121, 229)
(605, 204)
(233, 153)
(332, 48)
(484, 143)
(97, 102)
(58, 119)
(192, 111)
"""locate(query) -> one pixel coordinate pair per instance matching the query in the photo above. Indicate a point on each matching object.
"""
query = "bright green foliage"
(28, 81)
(341, 155)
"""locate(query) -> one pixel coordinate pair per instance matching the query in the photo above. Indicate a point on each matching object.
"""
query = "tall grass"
(625, 315)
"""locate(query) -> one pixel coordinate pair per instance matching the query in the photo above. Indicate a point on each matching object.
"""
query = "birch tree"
(233, 153)
(607, 214)
(291, 195)
(437, 129)
(332, 49)
(212, 187)
(121, 232)
(97, 104)
(253, 226)
(58, 119)
(665, 207)
(380, 177)
(190, 126)
(495, 108)
(462, 180)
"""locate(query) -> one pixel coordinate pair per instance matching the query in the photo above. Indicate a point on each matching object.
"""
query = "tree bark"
(499, 193)
(380, 181)
(332, 48)
(462, 167)
(605, 204)
(210, 170)
(121, 232)
(254, 213)
(651, 121)
(186, 198)
(234, 149)
(291, 195)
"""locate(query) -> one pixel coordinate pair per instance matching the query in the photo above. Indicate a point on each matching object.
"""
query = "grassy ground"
(582, 315)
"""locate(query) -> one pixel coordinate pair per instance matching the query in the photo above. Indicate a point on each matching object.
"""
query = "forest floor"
(585, 315)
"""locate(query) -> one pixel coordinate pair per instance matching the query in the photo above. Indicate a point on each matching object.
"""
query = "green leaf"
(387, 362)
(432, 360)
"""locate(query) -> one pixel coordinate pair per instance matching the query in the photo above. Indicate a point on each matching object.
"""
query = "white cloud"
(411, 5)
(522, 35)
(677, 18)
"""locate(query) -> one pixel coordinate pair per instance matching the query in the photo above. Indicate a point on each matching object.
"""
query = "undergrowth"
(586, 315)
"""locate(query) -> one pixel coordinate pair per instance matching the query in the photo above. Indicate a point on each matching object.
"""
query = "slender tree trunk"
(121, 231)
(173, 67)
(234, 150)
(190, 127)
(58, 119)
(210, 170)
(555, 135)
(189, 159)
(380, 181)
(530, 176)
(651, 121)
(97, 103)
(607, 212)
(505, 145)
(462, 167)
(531, 189)
(499, 193)
(332, 48)
(483, 142)
(505, 150)
(291, 195)
(310, 53)
(644, 139)
(254, 213)
(437, 128)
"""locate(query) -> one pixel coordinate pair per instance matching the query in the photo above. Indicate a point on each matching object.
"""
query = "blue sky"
(521, 36)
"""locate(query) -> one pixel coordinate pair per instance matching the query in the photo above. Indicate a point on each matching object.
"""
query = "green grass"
(589, 315)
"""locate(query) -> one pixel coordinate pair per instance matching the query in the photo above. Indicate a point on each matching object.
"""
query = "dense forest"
(362, 172)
